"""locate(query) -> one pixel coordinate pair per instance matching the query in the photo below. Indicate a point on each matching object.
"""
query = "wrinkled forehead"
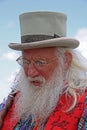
(40, 52)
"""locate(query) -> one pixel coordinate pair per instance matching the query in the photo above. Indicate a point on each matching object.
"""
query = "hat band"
(34, 38)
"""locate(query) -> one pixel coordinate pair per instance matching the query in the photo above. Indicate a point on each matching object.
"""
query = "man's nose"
(32, 71)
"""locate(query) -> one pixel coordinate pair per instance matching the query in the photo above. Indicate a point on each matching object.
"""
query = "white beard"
(39, 101)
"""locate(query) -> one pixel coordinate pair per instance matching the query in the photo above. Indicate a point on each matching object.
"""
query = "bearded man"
(50, 89)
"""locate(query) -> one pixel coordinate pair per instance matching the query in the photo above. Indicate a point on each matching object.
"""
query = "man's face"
(41, 64)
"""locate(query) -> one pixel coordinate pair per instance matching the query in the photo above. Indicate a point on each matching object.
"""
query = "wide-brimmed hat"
(43, 29)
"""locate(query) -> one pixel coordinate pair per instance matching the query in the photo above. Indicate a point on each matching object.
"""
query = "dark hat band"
(34, 38)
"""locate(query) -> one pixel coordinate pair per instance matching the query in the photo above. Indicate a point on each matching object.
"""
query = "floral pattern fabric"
(62, 120)
(28, 124)
(58, 120)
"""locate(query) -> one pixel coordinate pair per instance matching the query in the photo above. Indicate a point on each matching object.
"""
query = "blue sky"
(10, 30)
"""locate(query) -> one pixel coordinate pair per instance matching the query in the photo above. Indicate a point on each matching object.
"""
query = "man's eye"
(26, 62)
(41, 62)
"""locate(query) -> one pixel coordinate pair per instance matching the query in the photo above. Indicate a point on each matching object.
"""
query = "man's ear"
(68, 59)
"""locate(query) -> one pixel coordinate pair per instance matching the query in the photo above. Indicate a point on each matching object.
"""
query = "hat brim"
(56, 42)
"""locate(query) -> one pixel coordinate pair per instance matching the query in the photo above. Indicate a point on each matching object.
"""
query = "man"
(50, 89)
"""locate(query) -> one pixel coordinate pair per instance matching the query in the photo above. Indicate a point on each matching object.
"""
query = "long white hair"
(76, 75)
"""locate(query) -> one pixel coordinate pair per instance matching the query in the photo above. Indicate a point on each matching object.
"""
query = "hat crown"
(43, 29)
(48, 23)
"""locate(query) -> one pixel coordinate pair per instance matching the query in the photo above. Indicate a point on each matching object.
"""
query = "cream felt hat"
(43, 29)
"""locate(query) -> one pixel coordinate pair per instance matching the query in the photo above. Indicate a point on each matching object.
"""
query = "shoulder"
(61, 119)
(6, 105)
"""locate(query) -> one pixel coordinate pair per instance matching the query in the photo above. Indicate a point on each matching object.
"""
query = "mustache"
(39, 78)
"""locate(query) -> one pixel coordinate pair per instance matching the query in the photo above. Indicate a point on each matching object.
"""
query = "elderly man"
(50, 89)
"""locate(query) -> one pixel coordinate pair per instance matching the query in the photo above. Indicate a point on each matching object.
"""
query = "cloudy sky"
(10, 30)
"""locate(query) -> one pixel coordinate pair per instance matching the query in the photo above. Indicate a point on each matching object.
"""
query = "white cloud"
(9, 55)
(82, 37)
